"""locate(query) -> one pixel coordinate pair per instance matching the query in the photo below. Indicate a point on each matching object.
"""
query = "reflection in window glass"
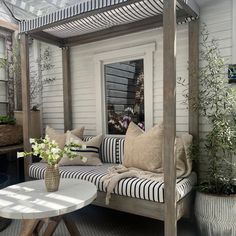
(124, 82)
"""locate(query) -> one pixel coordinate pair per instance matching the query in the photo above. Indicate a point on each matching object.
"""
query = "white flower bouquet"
(49, 150)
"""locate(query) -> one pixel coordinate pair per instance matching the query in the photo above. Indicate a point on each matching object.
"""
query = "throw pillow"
(91, 153)
(182, 154)
(143, 150)
(60, 138)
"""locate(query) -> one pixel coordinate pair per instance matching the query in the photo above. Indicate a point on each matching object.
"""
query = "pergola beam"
(193, 77)
(25, 78)
(66, 88)
(193, 82)
(190, 6)
(169, 115)
(48, 38)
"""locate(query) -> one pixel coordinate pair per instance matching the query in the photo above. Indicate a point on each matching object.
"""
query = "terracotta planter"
(215, 214)
(35, 122)
(10, 135)
(52, 178)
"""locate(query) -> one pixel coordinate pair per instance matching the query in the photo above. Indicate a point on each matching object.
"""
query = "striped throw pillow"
(91, 153)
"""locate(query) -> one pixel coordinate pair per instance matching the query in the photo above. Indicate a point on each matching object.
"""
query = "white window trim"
(233, 32)
(132, 53)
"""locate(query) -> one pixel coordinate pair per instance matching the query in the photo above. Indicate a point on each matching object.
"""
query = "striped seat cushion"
(132, 187)
(111, 150)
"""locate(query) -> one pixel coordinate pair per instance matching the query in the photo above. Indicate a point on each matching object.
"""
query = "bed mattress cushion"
(131, 187)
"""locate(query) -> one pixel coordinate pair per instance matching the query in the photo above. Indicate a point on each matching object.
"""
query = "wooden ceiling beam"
(8, 26)
(48, 38)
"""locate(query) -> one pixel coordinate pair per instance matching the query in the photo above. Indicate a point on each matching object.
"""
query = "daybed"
(134, 195)
(125, 17)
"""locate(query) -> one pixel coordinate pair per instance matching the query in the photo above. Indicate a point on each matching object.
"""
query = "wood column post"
(24, 52)
(66, 88)
(193, 78)
(169, 115)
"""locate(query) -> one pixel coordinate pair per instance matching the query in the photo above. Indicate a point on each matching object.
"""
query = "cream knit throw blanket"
(183, 167)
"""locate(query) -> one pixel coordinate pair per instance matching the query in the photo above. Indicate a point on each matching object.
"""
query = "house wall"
(50, 102)
(52, 95)
(83, 76)
(218, 17)
(217, 14)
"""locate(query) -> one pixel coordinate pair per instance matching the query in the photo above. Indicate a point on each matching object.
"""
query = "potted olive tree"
(215, 205)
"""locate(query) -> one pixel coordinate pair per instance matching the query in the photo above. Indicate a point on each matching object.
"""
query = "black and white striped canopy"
(95, 15)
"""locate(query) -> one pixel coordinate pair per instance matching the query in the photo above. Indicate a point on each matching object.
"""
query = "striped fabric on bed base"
(132, 187)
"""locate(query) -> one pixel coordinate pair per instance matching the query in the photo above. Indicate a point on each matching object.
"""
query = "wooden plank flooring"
(97, 221)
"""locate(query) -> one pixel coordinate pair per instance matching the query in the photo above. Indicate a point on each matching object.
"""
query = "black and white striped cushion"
(108, 150)
(120, 150)
(111, 150)
(132, 187)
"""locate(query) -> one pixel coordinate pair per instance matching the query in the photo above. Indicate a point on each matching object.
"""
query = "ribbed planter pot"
(216, 215)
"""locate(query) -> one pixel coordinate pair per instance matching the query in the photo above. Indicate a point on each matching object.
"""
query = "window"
(124, 85)
(124, 89)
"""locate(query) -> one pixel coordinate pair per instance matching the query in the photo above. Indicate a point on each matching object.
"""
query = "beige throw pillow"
(60, 138)
(143, 150)
(91, 153)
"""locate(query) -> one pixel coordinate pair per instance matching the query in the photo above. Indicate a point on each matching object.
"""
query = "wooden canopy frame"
(169, 211)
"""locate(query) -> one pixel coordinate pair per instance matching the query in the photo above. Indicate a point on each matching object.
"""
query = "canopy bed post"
(169, 115)
(193, 77)
(24, 52)
(66, 88)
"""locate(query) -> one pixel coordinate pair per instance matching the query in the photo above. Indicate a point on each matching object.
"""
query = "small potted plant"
(10, 133)
(50, 152)
(215, 205)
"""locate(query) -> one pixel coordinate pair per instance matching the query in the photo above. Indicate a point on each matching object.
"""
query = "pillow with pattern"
(91, 153)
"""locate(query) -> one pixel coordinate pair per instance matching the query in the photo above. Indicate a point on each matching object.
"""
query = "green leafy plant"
(37, 78)
(49, 150)
(216, 103)
(7, 120)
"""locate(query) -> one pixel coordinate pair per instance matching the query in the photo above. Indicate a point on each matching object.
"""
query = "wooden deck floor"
(97, 221)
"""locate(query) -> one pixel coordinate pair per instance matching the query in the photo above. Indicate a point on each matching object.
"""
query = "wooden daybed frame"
(169, 14)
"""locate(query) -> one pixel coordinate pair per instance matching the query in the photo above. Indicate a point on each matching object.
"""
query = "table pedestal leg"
(71, 226)
(52, 225)
(28, 227)
(32, 227)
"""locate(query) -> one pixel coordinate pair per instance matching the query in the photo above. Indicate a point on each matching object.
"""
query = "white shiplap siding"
(52, 96)
(217, 15)
(83, 77)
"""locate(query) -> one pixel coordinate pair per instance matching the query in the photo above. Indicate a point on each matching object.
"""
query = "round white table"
(30, 202)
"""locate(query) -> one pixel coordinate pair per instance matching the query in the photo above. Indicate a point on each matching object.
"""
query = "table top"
(30, 200)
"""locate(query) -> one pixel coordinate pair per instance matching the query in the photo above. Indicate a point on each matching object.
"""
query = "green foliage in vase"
(50, 152)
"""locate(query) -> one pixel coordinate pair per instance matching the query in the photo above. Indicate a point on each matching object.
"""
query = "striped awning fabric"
(94, 15)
